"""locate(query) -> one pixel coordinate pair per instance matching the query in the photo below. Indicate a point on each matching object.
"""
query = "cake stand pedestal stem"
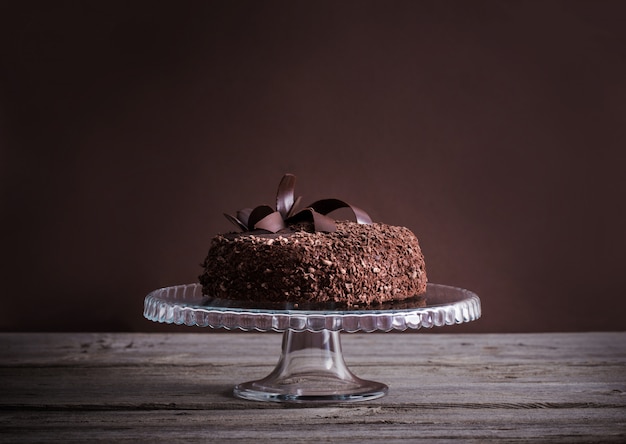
(311, 369)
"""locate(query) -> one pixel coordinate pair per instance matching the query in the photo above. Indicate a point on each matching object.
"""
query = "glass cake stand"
(311, 367)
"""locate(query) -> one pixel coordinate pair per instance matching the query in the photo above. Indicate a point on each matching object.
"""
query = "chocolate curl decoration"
(266, 218)
(285, 195)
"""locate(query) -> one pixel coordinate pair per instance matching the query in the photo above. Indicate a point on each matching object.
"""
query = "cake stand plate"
(311, 367)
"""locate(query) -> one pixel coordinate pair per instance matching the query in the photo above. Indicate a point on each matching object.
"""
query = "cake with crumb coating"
(305, 259)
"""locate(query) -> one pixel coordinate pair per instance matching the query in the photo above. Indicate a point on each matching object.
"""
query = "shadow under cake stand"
(311, 366)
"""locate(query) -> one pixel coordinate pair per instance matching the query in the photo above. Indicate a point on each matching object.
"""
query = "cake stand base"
(311, 369)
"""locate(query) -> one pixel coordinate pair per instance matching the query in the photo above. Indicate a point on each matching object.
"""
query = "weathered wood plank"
(105, 387)
(329, 424)
(203, 386)
(202, 347)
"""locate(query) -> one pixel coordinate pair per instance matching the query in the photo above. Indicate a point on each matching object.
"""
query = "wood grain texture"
(443, 387)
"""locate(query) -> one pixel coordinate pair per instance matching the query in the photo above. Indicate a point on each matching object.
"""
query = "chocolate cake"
(307, 259)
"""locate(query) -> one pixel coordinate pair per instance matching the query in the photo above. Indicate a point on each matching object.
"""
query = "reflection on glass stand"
(311, 367)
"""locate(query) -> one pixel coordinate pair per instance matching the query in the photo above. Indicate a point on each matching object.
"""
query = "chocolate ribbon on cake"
(264, 217)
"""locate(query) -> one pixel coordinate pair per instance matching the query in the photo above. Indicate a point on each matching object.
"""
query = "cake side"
(356, 265)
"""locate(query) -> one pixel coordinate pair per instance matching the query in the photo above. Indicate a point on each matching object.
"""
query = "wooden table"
(443, 387)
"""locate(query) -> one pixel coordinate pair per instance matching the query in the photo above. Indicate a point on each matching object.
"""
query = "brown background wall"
(494, 130)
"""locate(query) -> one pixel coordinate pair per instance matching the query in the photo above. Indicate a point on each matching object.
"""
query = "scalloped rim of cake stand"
(182, 305)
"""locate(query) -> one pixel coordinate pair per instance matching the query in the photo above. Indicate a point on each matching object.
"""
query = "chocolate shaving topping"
(264, 217)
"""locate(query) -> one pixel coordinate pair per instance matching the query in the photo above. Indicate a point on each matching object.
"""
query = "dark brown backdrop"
(494, 130)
